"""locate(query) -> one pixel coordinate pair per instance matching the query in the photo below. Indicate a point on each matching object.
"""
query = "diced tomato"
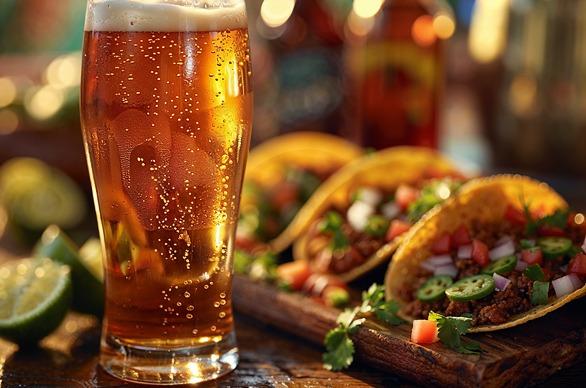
(480, 252)
(397, 228)
(515, 216)
(550, 231)
(295, 273)
(424, 332)
(532, 256)
(441, 245)
(461, 237)
(284, 195)
(246, 243)
(578, 265)
(405, 195)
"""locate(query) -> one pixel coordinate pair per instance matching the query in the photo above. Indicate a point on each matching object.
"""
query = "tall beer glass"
(166, 111)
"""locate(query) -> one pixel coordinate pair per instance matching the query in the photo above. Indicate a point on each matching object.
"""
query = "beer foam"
(165, 16)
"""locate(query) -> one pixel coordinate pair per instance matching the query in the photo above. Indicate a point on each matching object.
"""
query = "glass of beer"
(166, 112)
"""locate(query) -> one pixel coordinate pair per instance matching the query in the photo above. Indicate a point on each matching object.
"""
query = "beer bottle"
(394, 60)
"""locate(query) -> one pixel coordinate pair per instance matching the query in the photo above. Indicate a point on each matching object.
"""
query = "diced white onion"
(576, 281)
(358, 215)
(449, 270)
(370, 196)
(391, 210)
(503, 240)
(584, 245)
(521, 265)
(500, 282)
(465, 252)
(436, 261)
(505, 249)
(563, 286)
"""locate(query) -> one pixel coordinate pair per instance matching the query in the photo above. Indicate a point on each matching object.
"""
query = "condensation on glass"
(166, 114)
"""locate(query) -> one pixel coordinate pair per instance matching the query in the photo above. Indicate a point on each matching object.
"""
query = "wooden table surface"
(268, 358)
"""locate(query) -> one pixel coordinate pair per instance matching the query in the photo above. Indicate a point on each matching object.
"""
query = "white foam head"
(165, 15)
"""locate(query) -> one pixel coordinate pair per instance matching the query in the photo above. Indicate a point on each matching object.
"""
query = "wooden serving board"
(519, 356)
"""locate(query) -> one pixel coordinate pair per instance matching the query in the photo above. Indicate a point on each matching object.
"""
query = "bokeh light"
(42, 103)
(64, 71)
(444, 25)
(275, 13)
(422, 31)
(359, 26)
(8, 92)
(488, 30)
(366, 8)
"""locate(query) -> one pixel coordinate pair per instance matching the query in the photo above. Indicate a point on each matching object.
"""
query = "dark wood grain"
(515, 357)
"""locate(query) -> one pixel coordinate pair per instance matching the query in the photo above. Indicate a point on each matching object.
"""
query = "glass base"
(191, 365)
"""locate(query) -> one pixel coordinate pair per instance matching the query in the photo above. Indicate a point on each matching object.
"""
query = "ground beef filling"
(361, 247)
(498, 307)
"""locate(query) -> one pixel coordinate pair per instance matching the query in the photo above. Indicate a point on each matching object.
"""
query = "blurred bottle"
(299, 70)
(394, 60)
(542, 114)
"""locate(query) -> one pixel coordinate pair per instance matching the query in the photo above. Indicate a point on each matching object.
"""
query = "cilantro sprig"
(432, 194)
(557, 219)
(332, 224)
(338, 342)
(451, 331)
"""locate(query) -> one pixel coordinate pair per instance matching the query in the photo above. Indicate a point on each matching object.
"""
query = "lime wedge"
(35, 295)
(36, 195)
(88, 289)
(91, 256)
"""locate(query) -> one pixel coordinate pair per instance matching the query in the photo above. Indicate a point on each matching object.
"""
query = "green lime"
(91, 256)
(35, 295)
(36, 195)
(88, 290)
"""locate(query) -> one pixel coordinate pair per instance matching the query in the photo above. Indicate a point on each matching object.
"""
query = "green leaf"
(331, 222)
(376, 226)
(339, 350)
(339, 241)
(431, 195)
(388, 313)
(539, 293)
(451, 330)
(527, 244)
(534, 272)
(242, 262)
(559, 219)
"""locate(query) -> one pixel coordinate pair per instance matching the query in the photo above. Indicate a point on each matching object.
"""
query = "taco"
(355, 221)
(281, 175)
(504, 251)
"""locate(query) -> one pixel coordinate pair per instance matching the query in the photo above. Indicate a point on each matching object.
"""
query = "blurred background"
(499, 85)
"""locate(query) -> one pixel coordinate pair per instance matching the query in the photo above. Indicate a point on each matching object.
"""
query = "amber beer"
(166, 111)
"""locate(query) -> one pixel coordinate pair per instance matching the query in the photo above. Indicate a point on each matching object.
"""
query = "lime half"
(88, 295)
(35, 295)
(91, 256)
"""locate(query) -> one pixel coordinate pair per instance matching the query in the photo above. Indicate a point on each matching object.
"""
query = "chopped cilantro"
(432, 194)
(451, 330)
(527, 244)
(331, 222)
(376, 226)
(534, 272)
(539, 293)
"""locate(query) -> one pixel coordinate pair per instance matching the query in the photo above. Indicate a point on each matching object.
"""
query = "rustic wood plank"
(514, 357)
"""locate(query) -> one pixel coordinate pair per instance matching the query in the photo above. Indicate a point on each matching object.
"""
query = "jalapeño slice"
(434, 288)
(553, 247)
(471, 288)
(502, 266)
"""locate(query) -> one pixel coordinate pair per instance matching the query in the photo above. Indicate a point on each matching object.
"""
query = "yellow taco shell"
(481, 200)
(386, 169)
(308, 150)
